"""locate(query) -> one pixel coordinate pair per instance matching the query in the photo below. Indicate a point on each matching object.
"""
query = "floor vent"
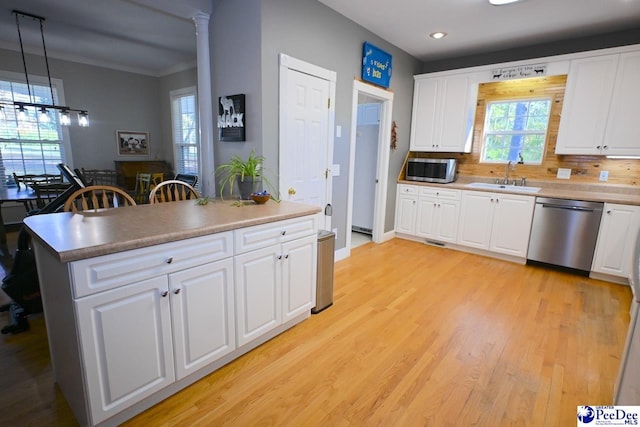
(434, 243)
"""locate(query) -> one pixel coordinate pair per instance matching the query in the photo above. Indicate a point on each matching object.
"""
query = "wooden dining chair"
(172, 191)
(28, 180)
(100, 176)
(98, 197)
(46, 193)
(143, 186)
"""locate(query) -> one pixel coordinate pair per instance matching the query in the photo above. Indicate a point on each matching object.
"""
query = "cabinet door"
(457, 112)
(426, 217)
(447, 220)
(623, 126)
(406, 209)
(203, 315)
(258, 293)
(476, 216)
(299, 266)
(512, 224)
(125, 340)
(423, 116)
(586, 105)
(616, 237)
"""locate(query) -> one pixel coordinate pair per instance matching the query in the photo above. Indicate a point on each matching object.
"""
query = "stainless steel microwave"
(431, 170)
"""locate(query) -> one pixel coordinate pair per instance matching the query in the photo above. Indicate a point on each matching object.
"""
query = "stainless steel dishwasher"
(564, 232)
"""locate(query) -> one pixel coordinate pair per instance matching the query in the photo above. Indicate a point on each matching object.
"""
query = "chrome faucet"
(506, 175)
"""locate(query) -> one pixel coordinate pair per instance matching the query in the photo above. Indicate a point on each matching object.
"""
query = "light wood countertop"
(87, 234)
(626, 195)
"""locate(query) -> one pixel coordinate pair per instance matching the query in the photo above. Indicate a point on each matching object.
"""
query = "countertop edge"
(585, 192)
(91, 251)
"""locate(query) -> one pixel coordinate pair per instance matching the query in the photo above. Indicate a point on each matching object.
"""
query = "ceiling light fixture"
(438, 35)
(501, 2)
(43, 109)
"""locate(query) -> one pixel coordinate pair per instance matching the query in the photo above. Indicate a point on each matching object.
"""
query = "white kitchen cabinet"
(202, 315)
(274, 283)
(586, 105)
(616, 239)
(131, 335)
(498, 222)
(443, 113)
(623, 126)
(126, 345)
(598, 113)
(437, 215)
(406, 209)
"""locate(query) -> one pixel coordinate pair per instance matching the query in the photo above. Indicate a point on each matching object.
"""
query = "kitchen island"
(142, 301)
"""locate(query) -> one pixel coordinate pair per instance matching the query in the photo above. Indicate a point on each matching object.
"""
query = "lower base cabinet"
(498, 222)
(128, 329)
(268, 286)
(137, 339)
(616, 239)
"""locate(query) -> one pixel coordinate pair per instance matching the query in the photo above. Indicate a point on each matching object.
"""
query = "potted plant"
(248, 173)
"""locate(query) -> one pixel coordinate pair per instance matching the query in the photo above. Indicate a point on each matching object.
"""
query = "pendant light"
(44, 111)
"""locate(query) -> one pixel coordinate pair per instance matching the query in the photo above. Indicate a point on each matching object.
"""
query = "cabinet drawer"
(261, 236)
(407, 189)
(98, 274)
(440, 193)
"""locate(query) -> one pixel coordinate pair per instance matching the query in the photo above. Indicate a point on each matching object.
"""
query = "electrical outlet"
(604, 175)
(563, 173)
(335, 231)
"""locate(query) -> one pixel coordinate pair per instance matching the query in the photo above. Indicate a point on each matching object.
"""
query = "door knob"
(292, 191)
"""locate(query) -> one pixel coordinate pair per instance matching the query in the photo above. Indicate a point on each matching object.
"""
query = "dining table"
(25, 196)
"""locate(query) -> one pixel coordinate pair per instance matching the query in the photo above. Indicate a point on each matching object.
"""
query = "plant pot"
(246, 188)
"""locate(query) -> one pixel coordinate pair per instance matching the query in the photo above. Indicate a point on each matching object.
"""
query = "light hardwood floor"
(417, 336)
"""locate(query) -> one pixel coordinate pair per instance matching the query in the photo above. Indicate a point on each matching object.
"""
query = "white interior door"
(306, 143)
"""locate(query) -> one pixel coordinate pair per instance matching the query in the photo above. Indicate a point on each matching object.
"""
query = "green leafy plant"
(239, 170)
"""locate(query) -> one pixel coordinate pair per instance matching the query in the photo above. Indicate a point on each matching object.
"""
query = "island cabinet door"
(202, 314)
(125, 340)
(299, 272)
(258, 292)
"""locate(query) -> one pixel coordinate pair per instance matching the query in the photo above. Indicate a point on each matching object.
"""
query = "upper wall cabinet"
(598, 115)
(443, 113)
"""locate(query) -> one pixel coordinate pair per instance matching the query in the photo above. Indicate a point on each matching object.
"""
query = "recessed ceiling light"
(438, 35)
(501, 2)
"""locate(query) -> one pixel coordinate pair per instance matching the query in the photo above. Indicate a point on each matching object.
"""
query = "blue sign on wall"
(376, 65)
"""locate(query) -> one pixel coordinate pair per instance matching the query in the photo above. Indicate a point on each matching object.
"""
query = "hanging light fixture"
(44, 110)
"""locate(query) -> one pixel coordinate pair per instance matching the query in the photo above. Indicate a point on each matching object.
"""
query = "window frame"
(173, 95)
(524, 133)
(65, 142)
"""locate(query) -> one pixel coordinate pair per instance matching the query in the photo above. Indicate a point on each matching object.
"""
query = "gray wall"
(235, 68)
(246, 38)
(116, 100)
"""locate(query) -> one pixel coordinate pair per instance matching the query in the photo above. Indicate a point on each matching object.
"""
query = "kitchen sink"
(515, 188)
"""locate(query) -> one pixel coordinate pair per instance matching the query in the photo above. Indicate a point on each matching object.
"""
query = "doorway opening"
(368, 164)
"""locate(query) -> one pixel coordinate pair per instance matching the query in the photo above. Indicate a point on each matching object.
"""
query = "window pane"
(28, 146)
(516, 128)
(185, 133)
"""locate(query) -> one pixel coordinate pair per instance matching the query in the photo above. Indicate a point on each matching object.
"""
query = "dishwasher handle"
(569, 208)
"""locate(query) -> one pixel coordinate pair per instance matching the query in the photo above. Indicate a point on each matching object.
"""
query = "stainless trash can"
(324, 283)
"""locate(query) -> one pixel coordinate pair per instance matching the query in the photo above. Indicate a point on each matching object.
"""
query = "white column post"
(205, 108)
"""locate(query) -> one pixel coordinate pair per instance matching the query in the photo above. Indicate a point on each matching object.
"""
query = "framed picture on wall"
(131, 143)
(231, 120)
